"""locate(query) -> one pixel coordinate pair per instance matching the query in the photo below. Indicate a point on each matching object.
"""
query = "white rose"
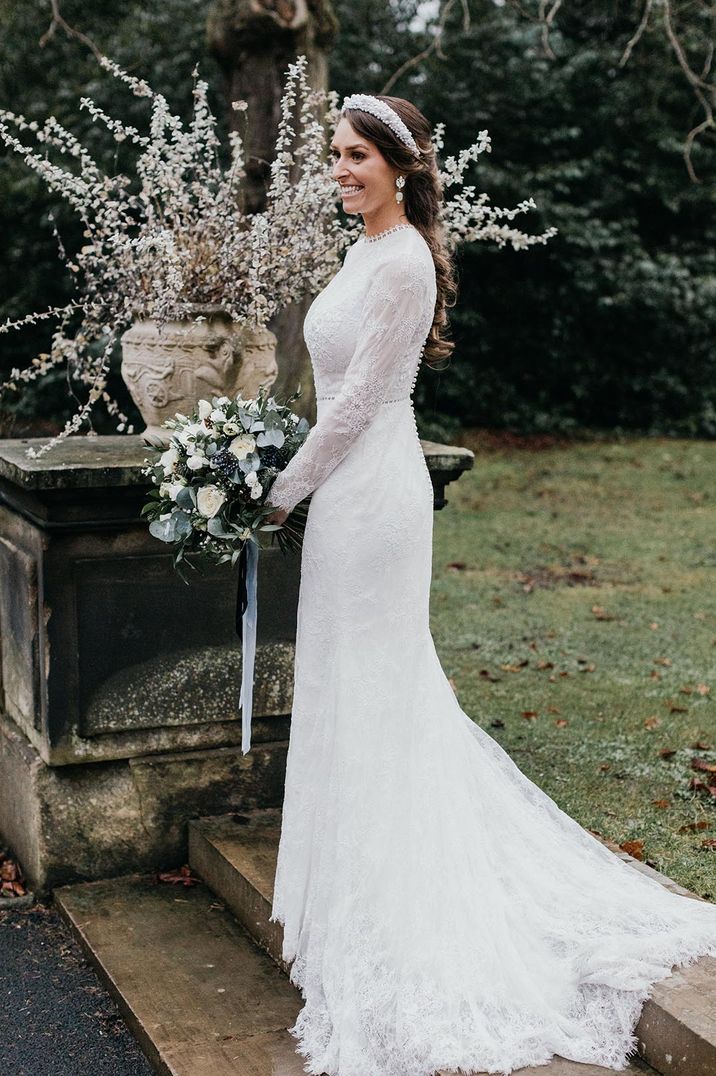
(168, 460)
(204, 409)
(196, 462)
(209, 500)
(231, 428)
(217, 415)
(223, 401)
(242, 445)
(251, 478)
(256, 491)
(188, 434)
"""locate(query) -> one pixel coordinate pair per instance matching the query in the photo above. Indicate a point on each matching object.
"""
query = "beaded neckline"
(388, 231)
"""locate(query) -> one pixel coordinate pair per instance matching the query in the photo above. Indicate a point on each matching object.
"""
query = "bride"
(440, 910)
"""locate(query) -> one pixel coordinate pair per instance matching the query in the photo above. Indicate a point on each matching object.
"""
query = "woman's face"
(366, 179)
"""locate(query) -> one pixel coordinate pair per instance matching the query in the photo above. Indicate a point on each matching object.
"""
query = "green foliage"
(612, 323)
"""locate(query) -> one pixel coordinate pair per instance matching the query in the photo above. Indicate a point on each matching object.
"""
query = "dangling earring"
(400, 183)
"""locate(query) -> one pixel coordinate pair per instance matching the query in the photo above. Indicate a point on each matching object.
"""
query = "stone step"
(194, 989)
(198, 994)
(236, 856)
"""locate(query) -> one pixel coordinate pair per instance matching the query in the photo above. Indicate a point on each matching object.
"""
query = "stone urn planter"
(167, 368)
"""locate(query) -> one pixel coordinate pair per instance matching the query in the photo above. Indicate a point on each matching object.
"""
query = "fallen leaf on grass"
(703, 689)
(515, 668)
(652, 722)
(485, 674)
(553, 710)
(545, 664)
(701, 746)
(674, 709)
(530, 714)
(661, 803)
(561, 722)
(709, 843)
(633, 848)
(601, 614)
(700, 764)
(498, 723)
(667, 752)
(666, 662)
(457, 565)
(697, 785)
(693, 827)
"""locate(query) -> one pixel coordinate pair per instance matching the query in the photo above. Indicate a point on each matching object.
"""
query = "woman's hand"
(280, 515)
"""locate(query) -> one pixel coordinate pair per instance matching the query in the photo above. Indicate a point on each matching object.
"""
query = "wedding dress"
(440, 910)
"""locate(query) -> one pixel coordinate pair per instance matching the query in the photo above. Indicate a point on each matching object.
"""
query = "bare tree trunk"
(254, 42)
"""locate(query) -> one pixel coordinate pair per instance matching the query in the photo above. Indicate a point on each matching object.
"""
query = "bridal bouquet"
(209, 498)
(212, 480)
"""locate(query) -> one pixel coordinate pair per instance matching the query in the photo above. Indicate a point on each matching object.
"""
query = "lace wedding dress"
(440, 910)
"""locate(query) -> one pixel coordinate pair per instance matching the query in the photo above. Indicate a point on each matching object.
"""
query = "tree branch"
(58, 22)
(434, 46)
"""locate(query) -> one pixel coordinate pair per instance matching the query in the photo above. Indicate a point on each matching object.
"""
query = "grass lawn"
(573, 605)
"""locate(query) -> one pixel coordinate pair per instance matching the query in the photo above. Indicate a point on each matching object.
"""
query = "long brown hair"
(422, 195)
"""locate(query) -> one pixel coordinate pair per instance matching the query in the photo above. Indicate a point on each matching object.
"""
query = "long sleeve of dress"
(393, 311)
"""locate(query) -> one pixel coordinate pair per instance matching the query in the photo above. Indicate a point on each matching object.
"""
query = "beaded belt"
(398, 399)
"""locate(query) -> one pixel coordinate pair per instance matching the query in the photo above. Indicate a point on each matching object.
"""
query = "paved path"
(55, 1017)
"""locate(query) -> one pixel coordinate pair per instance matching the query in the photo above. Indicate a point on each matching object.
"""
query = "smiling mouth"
(347, 191)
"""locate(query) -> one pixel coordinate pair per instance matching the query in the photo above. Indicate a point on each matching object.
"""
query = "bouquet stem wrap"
(246, 618)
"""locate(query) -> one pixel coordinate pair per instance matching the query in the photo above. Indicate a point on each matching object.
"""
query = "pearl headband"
(382, 111)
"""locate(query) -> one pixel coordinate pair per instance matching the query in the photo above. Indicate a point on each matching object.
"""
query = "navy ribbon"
(246, 617)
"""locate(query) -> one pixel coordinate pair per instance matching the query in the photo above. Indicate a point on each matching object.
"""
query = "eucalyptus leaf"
(186, 497)
(219, 529)
(163, 529)
(271, 437)
(182, 524)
